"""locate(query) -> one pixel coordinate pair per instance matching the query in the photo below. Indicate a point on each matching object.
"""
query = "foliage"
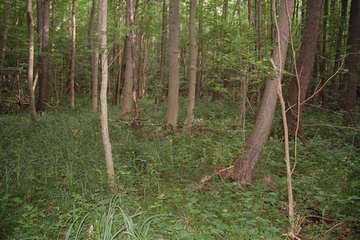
(53, 178)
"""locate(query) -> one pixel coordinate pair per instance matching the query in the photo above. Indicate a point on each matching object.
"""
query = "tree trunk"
(304, 65)
(126, 105)
(334, 96)
(199, 64)
(31, 60)
(94, 59)
(351, 60)
(43, 10)
(173, 92)
(192, 78)
(243, 169)
(160, 90)
(103, 95)
(73, 53)
(4, 36)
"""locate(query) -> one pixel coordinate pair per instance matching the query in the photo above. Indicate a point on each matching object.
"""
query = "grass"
(53, 179)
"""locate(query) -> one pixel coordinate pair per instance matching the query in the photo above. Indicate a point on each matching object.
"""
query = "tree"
(192, 78)
(94, 59)
(304, 65)
(130, 85)
(351, 60)
(43, 11)
(243, 168)
(4, 37)
(173, 91)
(160, 90)
(31, 60)
(73, 53)
(103, 95)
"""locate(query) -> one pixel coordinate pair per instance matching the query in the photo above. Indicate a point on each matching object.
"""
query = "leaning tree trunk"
(243, 168)
(304, 66)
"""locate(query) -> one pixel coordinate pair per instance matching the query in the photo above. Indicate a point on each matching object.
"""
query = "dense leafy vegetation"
(53, 178)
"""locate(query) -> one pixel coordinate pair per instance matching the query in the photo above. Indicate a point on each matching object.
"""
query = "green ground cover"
(53, 178)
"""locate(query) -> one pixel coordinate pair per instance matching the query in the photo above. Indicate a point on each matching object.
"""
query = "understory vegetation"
(53, 177)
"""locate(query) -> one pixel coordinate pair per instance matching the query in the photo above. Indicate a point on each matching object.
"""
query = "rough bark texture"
(304, 66)
(30, 21)
(173, 92)
(4, 37)
(192, 78)
(243, 169)
(126, 106)
(43, 11)
(351, 60)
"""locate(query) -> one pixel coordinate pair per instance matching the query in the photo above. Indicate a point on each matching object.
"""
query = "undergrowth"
(53, 178)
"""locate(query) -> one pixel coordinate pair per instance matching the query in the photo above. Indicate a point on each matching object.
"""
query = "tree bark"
(94, 59)
(351, 60)
(304, 65)
(173, 92)
(199, 72)
(192, 78)
(31, 60)
(243, 169)
(73, 53)
(43, 11)
(103, 95)
(160, 90)
(4, 37)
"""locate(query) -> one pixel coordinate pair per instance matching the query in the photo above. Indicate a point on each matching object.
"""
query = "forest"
(179, 119)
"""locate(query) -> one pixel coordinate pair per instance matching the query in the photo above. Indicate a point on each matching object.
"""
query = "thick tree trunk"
(43, 11)
(304, 65)
(173, 92)
(243, 169)
(192, 78)
(351, 60)
(31, 60)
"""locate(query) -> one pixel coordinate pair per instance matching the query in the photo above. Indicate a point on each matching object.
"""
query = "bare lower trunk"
(243, 169)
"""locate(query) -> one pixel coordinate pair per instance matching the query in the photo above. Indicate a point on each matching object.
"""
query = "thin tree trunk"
(94, 66)
(160, 91)
(304, 65)
(103, 95)
(199, 64)
(73, 53)
(192, 78)
(243, 169)
(173, 92)
(31, 60)
(6, 21)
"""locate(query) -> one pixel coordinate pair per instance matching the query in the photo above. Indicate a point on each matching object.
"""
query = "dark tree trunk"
(351, 60)
(43, 11)
(304, 66)
(243, 169)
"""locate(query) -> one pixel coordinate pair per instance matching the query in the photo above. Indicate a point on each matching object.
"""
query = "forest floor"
(53, 177)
